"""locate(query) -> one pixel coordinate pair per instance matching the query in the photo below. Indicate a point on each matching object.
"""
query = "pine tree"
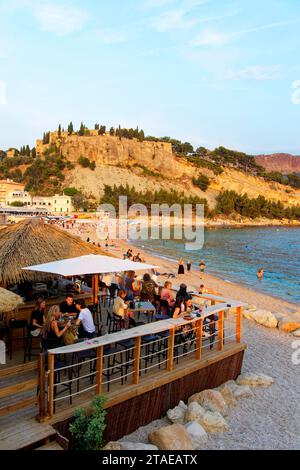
(59, 130)
(97, 127)
(111, 131)
(70, 128)
(33, 152)
(141, 135)
(82, 129)
(27, 151)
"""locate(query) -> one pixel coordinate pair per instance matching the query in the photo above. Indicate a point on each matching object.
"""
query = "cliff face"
(153, 166)
(281, 162)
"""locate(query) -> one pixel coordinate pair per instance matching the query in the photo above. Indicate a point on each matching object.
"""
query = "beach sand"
(271, 420)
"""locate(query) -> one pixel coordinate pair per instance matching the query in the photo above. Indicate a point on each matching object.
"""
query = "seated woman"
(120, 309)
(182, 308)
(137, 285)
(148, 291)
(37, 319)
(85, 321)
(167, 294)
(182, 293)
(52, 327)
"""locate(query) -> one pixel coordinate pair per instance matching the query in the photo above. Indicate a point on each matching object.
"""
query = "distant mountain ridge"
(281, 162)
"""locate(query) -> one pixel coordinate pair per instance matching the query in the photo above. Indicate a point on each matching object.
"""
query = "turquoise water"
(236, 254)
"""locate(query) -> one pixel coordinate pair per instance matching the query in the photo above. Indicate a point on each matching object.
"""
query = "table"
(144, 307)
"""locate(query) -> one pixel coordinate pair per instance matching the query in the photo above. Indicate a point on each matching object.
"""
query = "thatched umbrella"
(9, 301)
(34, 242)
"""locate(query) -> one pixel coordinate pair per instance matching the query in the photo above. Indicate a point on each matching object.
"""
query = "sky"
(210, 72)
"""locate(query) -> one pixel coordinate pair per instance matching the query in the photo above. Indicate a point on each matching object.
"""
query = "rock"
(296, 333)
(243, 391)
(290, 323)
(211, 421)
(227, 394)
(137, 446)
(197, 434)
(248, 314)
(211, 400)
(174, 437)
(113, 446)
(265, 318)
(255, 380)
(176, 415)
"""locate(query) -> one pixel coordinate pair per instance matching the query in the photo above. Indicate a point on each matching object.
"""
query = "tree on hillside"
(141, 135)
(97, 127)
(112, 131)
(201, 182)
(71, 191)
(102, 130)
(59, 130)
(70, 128)
(33, 152)
(82, 129)
(27, 151)
(202, 151)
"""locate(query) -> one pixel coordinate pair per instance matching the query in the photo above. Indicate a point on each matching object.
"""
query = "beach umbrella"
(9, 301)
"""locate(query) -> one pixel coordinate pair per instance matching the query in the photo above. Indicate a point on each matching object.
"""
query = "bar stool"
(29, 345)
(15, 325)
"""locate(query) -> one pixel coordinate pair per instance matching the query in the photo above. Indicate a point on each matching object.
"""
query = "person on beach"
(188, 265)
(205, 290)
(180, 266)
(260, 273)
(202, 266)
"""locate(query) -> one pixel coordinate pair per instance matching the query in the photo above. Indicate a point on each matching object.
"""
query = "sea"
(236, 254)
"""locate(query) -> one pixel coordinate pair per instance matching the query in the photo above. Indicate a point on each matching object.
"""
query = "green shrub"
(201, 182)
(88, 430)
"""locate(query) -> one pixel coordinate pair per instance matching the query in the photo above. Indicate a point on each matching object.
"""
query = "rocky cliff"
(281, 162)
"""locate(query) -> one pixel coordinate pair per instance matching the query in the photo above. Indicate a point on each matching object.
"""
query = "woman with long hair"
(180, 266)
(52, 330)
(37, 319)
(148, 291)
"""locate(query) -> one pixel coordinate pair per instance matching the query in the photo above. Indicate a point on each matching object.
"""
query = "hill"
(279, 162)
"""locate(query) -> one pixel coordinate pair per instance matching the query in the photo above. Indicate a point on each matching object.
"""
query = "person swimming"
(260, 273)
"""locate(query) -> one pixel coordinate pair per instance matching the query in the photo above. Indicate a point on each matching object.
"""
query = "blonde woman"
(180, 266)
(52, 327)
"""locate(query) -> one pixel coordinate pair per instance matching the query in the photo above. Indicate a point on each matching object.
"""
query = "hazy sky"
(212, 72)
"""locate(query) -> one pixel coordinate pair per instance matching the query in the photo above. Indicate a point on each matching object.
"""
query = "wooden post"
(170, 363)
(51, 384)
(199, 325)
(221, 330)
(238, 324)
(42, 388)
(137, 354)
(95, 288)
(99, 365)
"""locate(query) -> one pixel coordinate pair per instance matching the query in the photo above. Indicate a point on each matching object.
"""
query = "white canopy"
(90, 264)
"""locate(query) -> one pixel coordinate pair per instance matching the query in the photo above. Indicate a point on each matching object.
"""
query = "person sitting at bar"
(52, 326)
(68, 306)
(148, 291)
(182, 293)
(37, 319)
(182, 307)
(120, 309)
(167, 294)
(85, 321)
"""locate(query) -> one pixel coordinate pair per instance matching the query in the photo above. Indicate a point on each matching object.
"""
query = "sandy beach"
(271, 420)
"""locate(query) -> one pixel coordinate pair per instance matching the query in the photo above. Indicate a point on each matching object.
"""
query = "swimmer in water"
(260, 273)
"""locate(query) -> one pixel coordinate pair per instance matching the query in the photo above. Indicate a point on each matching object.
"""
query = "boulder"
(137, 446)
(211, 400)
(227, 394)
(176, 415)
(211, 421)
(265, 318)
(174, 437)
(243, 391)
(255, 380)
(296, 333)
(113, 446)
(248, 314)
(197, 434)
(290, 323)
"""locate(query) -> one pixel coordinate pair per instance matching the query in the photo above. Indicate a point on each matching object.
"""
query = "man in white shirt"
(85, 321)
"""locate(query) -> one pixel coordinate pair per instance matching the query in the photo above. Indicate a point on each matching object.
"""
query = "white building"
(55, 204)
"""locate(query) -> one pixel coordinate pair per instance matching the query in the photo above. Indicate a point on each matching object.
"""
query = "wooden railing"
(36, 384)
(170, 341)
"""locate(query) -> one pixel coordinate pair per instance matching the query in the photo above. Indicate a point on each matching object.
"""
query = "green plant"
(88, 430)
(201, 182)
